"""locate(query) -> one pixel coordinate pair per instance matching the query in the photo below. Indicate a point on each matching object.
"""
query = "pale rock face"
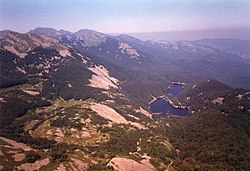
(13, 50)
(33, 93)
(92, 38)
(219, 100)
(85, 134)
(124, 164)
(59, 135)
(17, 145)
(108, 113)
(240, 107)
(80, 164)
(239, 96)
(34, 166)
(21, 44)
(19, 157)
(144, 112)
(138, 125)
(125, 48)
(2, 100)
(101, 79)
(20, 70)
(49, 132)
(61, 167)
(64, 53)
(132, 116)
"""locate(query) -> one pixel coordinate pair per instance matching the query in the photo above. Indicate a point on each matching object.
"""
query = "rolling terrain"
(79, 101)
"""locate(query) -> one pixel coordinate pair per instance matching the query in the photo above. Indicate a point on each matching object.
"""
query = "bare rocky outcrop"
(101, 78)
(108, 113)
(2, 100)
(85, 134)
(34, 166)
(18, 157)
(219, 100)
(80, 164)
(17, 145)
(134, 117)
(59, 135)
(21, 44)
(144, 112)
(125, 48)
(30, 92)
(138, 125)
(61, 167)
(13, 50)
(64, 53)
(124, 164)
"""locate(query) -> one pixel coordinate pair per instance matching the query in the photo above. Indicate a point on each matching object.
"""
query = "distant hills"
(226, 60)
(219, 33)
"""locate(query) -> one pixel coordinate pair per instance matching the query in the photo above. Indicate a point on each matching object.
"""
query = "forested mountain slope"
(79, 101)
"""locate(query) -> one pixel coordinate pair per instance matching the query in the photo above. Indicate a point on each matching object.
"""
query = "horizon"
(125, 16)
(189, 35)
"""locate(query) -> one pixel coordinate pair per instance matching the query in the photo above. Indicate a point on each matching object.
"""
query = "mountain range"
(80, 101)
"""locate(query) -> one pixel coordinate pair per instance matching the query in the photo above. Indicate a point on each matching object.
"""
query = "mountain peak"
(128, 39)
(84, 32)
(65, 31)
(44, 31)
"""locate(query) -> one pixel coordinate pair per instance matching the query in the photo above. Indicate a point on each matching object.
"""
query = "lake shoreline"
(169, 107)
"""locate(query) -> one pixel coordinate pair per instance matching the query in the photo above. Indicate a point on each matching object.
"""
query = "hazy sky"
(124, 16)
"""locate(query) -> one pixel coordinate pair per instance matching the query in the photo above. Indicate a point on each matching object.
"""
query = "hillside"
(80, 101)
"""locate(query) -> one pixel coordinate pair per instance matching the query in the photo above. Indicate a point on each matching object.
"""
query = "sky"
(124, 16)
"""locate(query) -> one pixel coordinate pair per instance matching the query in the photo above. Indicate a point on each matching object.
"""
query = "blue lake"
(175, 89)
(164, 108)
